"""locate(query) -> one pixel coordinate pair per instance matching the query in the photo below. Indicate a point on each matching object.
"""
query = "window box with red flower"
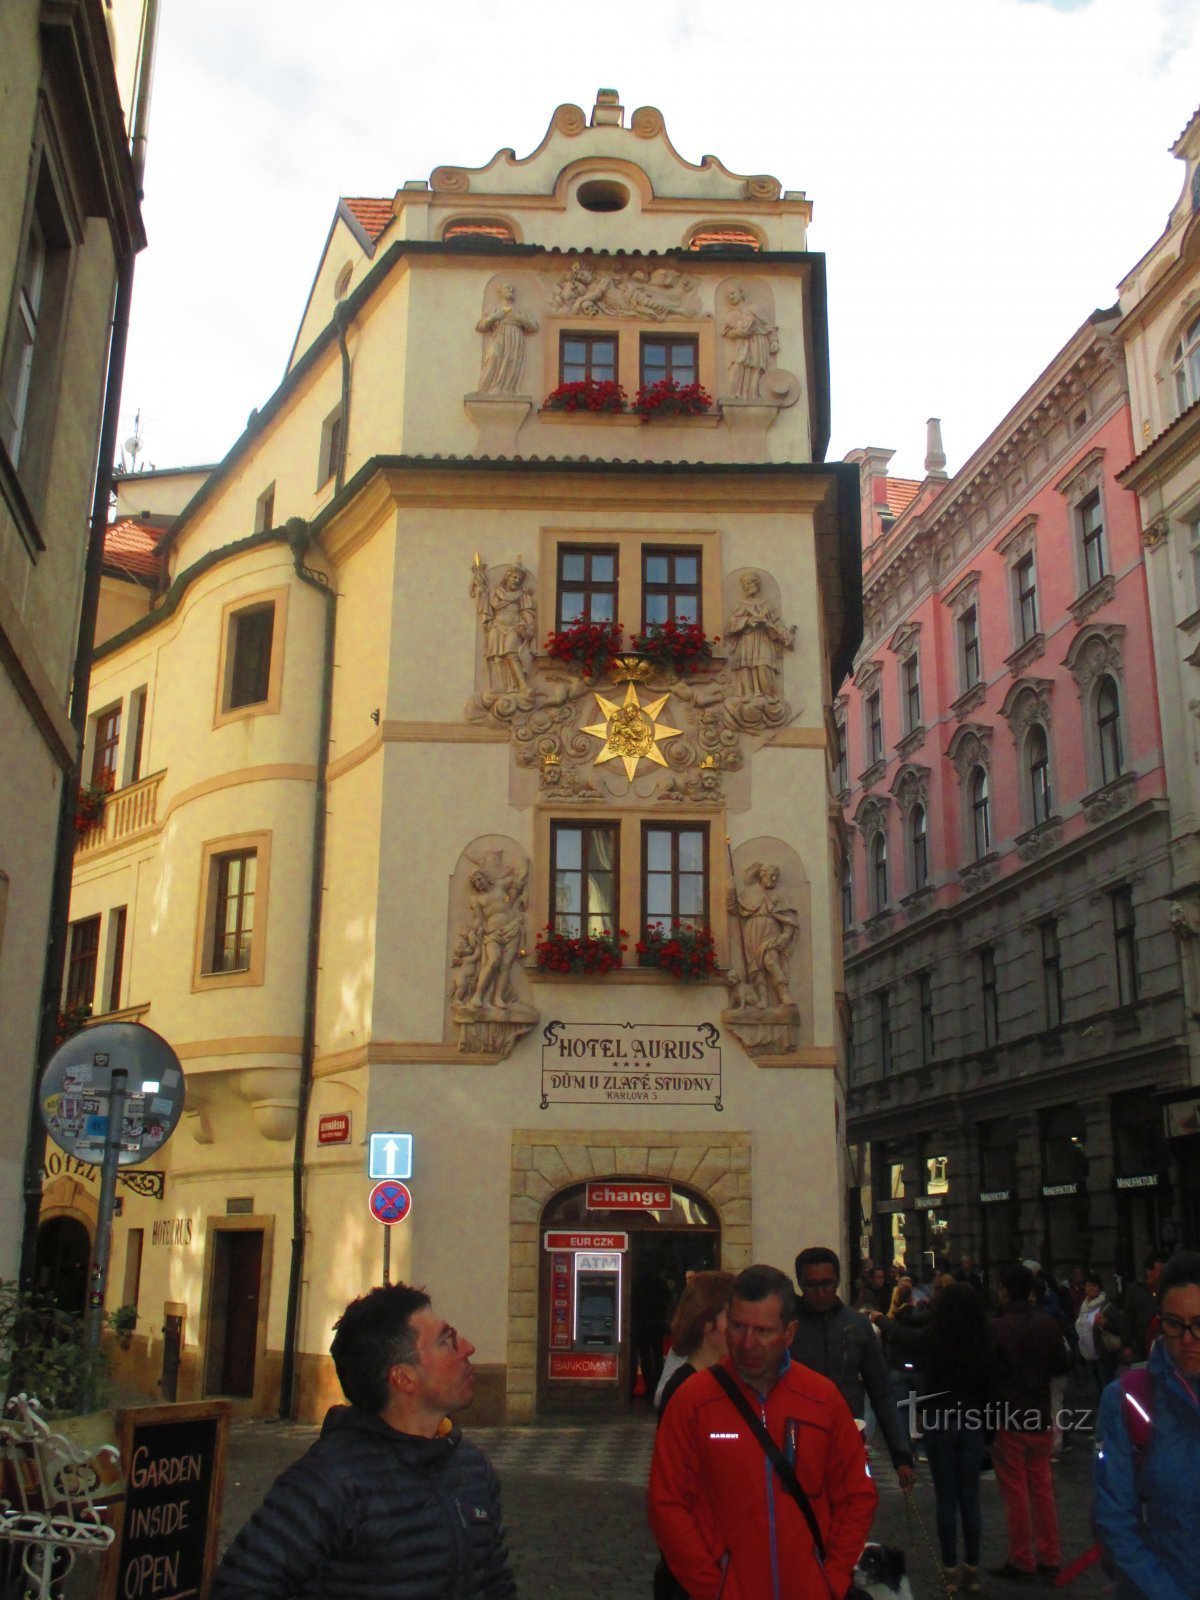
(587, 394)
(591, 646)
(666, 398)
(562, 952)
(683, 950)
(682, 645)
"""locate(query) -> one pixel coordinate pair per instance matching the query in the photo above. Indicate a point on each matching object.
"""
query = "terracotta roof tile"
(131, 548)
(901, 492)
(372, 216)
(1160, 436)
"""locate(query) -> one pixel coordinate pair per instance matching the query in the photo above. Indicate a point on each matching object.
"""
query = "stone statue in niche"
(504, 328)
(759, 640)
(762, 1012)
(508, 616)
(484, 1003)
(753, 345)
(654, 295)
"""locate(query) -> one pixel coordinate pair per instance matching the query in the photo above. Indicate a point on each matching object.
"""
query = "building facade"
(374, 795)
(1160, 330)
(1012, 956)
(69, 224)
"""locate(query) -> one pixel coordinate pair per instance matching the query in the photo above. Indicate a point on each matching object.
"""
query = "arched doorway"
(614, 1257)
(61, 1263)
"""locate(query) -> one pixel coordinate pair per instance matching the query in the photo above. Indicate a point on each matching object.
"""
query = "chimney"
(935, 456)
(608, 112)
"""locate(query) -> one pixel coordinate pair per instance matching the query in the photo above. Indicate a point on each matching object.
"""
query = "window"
(1052, 983)
(329, 462)
(583, 879)
(137, 724)
(670, 585)
(1108, 731)
(874, 728)
(264, 510)
(1091, 533)
(981, 817)
(116, 965)
(81, 964)
(248, 657)
(18, 366)
(675, 873)
(925, 1011)
(879, 873)
(587, 583)
(1125, 942)
(1037, 758)
(1194, 549)
(1026, 582)
(842, 761)
(104, 751)
(968, 638)
(1185, 363)
(883, 1001)
(587, 355)
(847, 896)
(918, 839)
(233, 919)
(991, 1009)
(668, 358)
(911, 673)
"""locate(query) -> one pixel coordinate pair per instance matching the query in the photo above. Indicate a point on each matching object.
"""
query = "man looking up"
(842, 1346)
(721, 1513)
(391, 1503)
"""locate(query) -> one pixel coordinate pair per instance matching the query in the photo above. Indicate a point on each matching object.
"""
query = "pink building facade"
(1012, 973)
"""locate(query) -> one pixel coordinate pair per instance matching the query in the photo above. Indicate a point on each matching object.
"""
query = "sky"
(983, 172)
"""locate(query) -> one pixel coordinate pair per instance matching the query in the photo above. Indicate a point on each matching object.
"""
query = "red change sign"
(334, 1129)
(629, 1197)
(587, 1241)
(581, 1367)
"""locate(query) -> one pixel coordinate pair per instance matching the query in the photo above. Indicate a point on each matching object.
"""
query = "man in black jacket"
(842, 1346)
(391, 1503)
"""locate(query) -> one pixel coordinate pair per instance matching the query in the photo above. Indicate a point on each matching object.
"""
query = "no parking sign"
(390, 1201)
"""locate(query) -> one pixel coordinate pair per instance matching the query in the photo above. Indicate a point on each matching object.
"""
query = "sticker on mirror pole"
(390, 1201)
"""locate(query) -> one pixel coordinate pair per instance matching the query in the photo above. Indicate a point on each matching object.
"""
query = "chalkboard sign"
(168, 1525)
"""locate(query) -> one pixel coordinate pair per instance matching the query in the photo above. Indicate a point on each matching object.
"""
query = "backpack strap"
(1137, 1393)
(783, 1467)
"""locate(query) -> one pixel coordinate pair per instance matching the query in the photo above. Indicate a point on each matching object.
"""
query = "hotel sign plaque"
(631, 1063)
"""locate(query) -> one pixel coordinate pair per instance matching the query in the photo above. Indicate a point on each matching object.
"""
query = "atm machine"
(583, 1363)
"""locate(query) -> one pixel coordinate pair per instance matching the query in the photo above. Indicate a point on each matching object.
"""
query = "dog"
(880, 1573)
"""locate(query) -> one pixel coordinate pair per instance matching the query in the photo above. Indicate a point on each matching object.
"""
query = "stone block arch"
(547, 1160)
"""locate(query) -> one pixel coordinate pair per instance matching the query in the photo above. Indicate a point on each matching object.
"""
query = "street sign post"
(390, 1202)
(389, 1155)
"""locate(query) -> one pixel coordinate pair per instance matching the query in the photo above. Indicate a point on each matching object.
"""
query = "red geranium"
(593, 646)
(666, 398)
(686, 952)
(587, 394)
(682, 645)
(560, 952)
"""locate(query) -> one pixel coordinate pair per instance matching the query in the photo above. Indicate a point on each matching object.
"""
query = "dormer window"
(478, 228)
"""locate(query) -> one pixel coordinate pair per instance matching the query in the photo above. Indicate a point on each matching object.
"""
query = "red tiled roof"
(372, 216)
(1159, 437)
(131, 548)
(901, 492)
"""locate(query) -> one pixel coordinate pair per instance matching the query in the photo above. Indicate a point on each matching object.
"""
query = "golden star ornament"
(631, 730)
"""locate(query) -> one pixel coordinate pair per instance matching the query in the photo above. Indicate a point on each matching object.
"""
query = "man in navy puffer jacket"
(391, 1503)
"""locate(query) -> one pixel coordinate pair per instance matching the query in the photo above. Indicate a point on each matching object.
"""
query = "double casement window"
(607, 875)
(232, 917)
(646, 584)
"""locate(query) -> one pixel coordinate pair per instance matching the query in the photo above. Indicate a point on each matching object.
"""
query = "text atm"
(597, 1301)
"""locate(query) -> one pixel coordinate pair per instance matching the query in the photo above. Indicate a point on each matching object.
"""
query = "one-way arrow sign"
(390, 1155)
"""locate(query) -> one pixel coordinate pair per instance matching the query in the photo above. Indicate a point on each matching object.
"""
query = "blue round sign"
(390, 1201)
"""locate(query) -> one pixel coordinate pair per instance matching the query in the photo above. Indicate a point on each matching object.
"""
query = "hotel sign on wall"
(631, 1063)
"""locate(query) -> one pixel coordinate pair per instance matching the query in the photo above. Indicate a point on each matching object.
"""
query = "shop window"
(981, 814)
(1108, 731)
(670, 585)
(990, 996)
(330, 456)
(918, 839)
(587, 355)
(83, 952)
(968, 644)
(1125, 945)
(1037, 766)
(673, 358)
(1090, 519)
(583, 879)
(1052, 977)
(1025, 581)
(587, 583)
(675, 873)
(106, 742)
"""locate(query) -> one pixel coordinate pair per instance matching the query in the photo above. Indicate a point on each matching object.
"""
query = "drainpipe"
(299, 536)
(64, 859)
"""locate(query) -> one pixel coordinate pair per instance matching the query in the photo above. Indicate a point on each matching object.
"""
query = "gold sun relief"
(631, 730)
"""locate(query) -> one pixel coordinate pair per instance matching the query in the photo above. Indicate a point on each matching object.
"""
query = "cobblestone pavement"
(574, 1504)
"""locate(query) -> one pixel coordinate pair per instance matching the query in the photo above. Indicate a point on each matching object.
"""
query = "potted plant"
(683, 950)
(681, 645)
(589, 952)
(666, 398)
(89, 806)
(587, 394)
(122, 1321)
(591, 646)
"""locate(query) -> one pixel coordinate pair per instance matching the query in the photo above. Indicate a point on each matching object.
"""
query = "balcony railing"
(128, 813)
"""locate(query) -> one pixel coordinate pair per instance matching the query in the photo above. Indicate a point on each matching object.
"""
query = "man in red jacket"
(727, 1527)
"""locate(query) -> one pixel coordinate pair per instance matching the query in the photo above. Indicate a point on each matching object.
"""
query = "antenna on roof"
(133, 445)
